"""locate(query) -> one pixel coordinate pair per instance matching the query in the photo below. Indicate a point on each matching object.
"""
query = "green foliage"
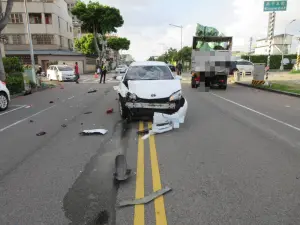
(86, 44)
(118, 43)
(97, 18)
(151, 58)
(185, 54)
(275, 60)
(12, 65)
(15, 82)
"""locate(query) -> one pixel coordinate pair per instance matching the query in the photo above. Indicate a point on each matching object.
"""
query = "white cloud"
(147, 22)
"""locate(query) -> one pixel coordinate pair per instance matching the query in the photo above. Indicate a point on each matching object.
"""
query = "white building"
(279, 45)
(75, 21)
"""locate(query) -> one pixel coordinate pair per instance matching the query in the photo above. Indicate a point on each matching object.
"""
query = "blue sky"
(147, 22)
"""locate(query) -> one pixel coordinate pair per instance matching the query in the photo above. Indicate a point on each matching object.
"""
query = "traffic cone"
(96, 75)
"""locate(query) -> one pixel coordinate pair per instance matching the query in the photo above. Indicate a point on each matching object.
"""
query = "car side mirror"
(178, 77)
(119, 78)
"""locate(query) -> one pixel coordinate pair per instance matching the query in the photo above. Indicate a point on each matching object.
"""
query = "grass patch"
(287, 87)
(294, 72)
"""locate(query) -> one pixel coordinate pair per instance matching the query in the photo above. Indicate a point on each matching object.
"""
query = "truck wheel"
(122, 108)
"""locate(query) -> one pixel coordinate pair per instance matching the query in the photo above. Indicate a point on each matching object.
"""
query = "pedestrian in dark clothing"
(103, 74)
(76, 71)
(179, 68)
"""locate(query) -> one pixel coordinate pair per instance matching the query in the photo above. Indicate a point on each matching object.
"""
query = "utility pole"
(250, 48)
(284, 43)
(30, 44)
(271, 26)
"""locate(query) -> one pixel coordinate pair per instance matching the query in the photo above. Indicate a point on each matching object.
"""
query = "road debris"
(146, 199)
(41, 133)
(28, 106)
(109, 111)
(141, 132)
(93, 132)
(51, 102)
(63, 125)
(122, 173)
(31, 121)
(87, 113)
(92, 91)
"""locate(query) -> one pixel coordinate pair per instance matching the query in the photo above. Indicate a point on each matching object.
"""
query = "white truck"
(211, 61)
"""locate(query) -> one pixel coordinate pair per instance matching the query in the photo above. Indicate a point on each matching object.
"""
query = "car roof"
(148, 63)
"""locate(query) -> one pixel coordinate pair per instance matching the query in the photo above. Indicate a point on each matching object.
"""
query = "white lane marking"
(22, 120)
(71, 97)
(12, 110)
(259, 113)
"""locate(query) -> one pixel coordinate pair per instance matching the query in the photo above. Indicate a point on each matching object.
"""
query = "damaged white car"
(150, 89)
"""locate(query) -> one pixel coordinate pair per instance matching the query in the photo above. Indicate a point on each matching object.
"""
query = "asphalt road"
(235, 160)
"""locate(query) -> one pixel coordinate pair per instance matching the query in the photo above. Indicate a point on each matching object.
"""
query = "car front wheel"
(122, 108)
(3, 102)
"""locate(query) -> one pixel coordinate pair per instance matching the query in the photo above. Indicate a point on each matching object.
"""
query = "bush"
(275, 60)
(15, 82)
(12, 65)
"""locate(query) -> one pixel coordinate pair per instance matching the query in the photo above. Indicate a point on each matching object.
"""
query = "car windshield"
(64, 68)
(149, 73)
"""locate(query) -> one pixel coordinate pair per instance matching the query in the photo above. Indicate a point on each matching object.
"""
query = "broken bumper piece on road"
(166, 122)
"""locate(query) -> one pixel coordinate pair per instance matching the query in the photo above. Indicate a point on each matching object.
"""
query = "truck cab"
(211, 61)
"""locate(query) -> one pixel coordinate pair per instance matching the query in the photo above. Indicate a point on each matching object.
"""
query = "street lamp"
(180, 34)
(30, 44)
(284, 38)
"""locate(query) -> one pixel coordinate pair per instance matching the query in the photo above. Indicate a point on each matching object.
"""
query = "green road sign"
(272, 6)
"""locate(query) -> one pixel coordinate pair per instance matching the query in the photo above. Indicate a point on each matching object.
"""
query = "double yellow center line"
(159, 205)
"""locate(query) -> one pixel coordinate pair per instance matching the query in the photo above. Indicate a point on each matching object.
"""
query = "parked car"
(60, 73)
(244, 65)
(121, 68)
(4, 96)
(149, 87)
(172, 67)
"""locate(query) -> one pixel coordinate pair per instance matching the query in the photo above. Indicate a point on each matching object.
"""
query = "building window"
(35, 18)
(48, 18)
(58, 22)
(42, 39)
(70, 44)
(70, 29)
(16, 18)
(16, 39)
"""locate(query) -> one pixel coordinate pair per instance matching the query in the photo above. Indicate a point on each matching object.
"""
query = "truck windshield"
(149, 73)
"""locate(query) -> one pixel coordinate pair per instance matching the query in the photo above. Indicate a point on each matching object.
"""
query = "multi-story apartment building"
(51, 28)
(75, 21)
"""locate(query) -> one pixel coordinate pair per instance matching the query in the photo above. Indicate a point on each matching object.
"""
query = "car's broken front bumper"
(144, 105)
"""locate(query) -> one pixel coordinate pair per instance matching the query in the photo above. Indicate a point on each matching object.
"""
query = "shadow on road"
(92, 197)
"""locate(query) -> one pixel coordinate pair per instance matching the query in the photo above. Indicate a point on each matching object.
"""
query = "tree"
(86, 44)
(3, 23)
(117, 44)
(98, 19)
(151, 58)
(185, 54)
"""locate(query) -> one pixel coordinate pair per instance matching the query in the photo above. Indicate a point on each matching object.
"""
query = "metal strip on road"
(160, 212)
(139, 210)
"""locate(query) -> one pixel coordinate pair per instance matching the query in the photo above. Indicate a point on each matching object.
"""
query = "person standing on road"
(103, 74)
(179, 68)
(76, 70)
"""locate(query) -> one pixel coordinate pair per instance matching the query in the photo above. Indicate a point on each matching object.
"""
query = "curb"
(269, 90)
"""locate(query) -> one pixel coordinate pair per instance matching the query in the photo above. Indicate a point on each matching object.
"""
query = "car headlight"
(175, 96)
(131, 96)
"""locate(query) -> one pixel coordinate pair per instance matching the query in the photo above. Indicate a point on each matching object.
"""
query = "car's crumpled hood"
(159, 88)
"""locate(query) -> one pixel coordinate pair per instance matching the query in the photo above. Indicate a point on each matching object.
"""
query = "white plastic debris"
(94, 131)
